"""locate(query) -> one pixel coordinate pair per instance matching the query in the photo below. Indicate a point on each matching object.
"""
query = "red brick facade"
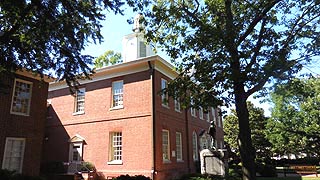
(141, 121)
(28, 128)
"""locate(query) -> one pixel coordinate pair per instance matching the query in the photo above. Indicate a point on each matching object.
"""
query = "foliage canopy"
(294, 125)
(231, 49)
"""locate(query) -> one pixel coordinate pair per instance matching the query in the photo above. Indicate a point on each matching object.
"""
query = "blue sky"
(116, 26)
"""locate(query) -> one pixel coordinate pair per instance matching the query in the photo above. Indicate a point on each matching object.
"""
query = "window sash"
(165, 96)
(201, 113)
(21, 97)
(193, 110)
(116, 146)
(195, 146)
(165, 145)
(117, 94)
(179, 146)
(80, 100)
(177, 105)
(13, 154)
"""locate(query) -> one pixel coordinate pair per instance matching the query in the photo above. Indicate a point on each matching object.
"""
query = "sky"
(116, 26)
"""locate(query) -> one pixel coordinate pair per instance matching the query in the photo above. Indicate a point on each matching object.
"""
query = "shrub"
(53, 168)
(266, 170)
(127, 177)
(12, 175)
(87, 166)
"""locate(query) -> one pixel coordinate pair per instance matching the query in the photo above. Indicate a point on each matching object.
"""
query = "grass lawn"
(288, 178)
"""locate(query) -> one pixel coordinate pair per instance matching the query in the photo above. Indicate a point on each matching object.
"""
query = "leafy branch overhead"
(47, 36)
(232, 49)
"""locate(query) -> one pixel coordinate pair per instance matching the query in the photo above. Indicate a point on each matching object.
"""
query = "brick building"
(23, 111)
(120, 123)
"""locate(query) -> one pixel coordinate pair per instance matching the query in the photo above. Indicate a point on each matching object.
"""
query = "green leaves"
(47, 37)
(295, 116)
(106, 59)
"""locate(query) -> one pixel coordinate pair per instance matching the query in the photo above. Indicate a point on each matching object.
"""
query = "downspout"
(187, 136)
(153, 96)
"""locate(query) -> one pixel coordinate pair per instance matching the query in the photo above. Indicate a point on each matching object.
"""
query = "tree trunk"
(247, 152)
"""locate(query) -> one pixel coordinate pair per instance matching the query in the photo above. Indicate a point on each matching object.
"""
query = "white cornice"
(122, 69)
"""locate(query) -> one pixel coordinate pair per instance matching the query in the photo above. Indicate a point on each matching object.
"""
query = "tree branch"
(257, 20)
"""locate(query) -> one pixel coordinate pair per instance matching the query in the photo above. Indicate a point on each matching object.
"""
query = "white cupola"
(133, 45)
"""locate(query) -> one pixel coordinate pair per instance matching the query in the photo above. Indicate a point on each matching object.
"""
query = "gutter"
(153, 96)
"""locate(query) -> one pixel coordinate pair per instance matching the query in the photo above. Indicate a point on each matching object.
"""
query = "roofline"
(139, 65)
(26, 73)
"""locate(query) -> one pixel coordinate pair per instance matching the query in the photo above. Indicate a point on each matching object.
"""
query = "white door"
(75, 156)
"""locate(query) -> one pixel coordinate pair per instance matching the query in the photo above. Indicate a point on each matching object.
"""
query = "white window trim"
(164, 97)
(208, 116)
(219, 119)
(195, 144)
(201, 113)
(168, 148)
(177, 105)
(213, 111)
(112, 96)
(193, 110)
(179, 146)
(76, 102)
(22, 153)
(111, 160)
(12, 99)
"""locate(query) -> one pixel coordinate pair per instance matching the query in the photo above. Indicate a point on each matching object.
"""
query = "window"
(192, 109)
(117, 94)
(219, 119)
(164, 96)
(213, 111)
(201, 113)
(79, 101)
(177, 105)
(179, 146)
(21, 97)
(208, 116)
(165, 145)
(13, 154)
(116, 147)
(195, 146)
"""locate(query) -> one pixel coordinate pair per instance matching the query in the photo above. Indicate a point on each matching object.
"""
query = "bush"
(127, 177)
(266, 170)
(12, 175)
(197, 176)
(87, 166)
(53, 168)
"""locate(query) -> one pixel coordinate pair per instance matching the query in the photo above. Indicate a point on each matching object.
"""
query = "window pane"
(179, 145)
(79, 100)
(13, 154)
(116, 146)
(164, 97)
(117, 94)
(21, 97)
(165, 145)
(195, 146)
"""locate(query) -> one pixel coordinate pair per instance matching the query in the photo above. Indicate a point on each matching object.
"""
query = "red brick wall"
(30, 127)
(134, 121)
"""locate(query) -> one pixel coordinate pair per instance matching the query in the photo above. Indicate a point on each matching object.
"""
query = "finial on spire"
(137, 25)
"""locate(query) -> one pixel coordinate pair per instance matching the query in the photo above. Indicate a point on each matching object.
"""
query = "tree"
(227, 50)
(47, 36)
(257, 122)
(109, 57)
(294, 124)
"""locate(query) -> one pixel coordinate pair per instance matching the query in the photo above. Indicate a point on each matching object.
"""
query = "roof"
(122, 69)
